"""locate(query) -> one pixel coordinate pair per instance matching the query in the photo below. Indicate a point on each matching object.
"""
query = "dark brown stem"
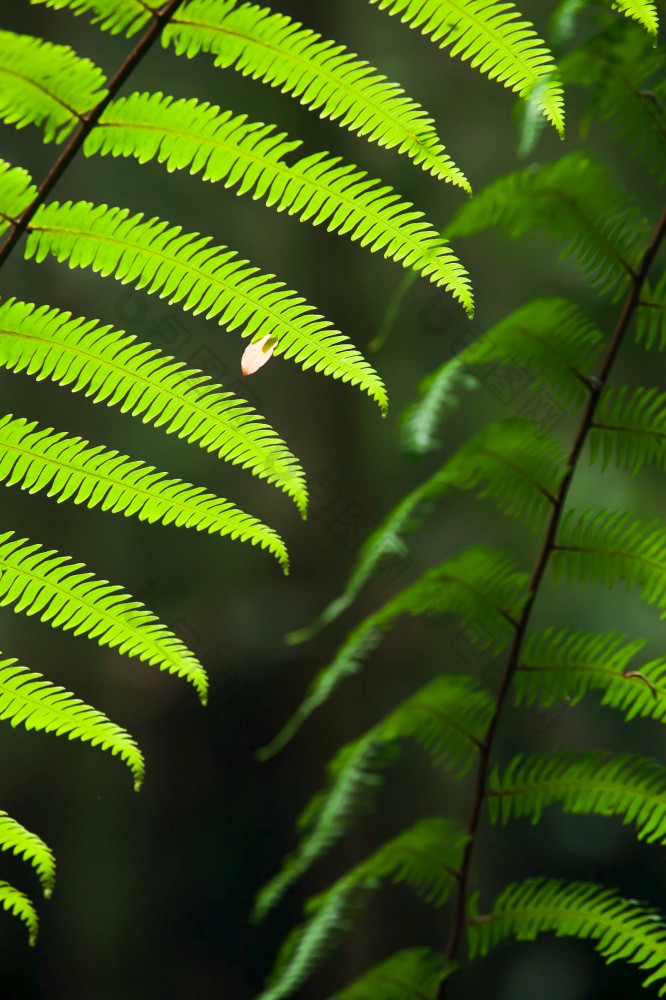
(88, 122)
(596, 387)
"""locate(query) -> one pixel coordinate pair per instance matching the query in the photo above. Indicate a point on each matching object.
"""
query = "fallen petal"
(257, 354)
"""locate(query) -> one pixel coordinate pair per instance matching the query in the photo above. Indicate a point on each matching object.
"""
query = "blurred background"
(154, 890)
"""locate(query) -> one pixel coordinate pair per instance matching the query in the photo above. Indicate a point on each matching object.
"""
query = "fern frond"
(40, 582)
(426, 857)
(116, 16)
(606, 546)
(321, 189)
(16, 193)
(582, 783)
(185, 268)
(46, 85)
(413, 974)
(322, 74)
(494, 40)
(29, 700)
(643, 11)
(27, 845)
(552, 337)
(651, 316)
(18, 903)
(512, 461)
(113, 367)
(479, 584)
(560, 665)
(630, 431)
(623, 75)
(439, 395)
(618, 927)
(447, 718)
(69, 468)
(573, 199)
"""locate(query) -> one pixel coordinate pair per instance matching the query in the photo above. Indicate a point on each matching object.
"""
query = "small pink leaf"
(257, 354)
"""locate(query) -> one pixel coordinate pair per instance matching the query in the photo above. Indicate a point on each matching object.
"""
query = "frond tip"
(492, 38)
(27, 699)
(619, 928)
(18, 903)
(185, 268)
(15, 838)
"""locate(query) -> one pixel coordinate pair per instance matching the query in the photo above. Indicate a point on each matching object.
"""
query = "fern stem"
(88, 122)
(596, 386)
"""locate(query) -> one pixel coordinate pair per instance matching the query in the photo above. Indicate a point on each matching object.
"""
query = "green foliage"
(70, 101)
(528, 474)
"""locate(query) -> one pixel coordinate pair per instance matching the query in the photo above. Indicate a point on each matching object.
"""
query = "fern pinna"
(504, 610)
(69, 100)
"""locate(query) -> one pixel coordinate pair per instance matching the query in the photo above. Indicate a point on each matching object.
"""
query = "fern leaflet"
(447, 718)
(619, 927)
(118, 16)
(29, 700)
(39, 458)
(493, 40)
(631, 431)
(15, 838)
(46, 85)
(41, 582)
(582, 783)
(185, 268)
(413, 974)
(18, 903)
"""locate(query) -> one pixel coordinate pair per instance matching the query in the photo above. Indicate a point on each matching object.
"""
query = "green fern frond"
(69, 468)
(322, 74)
(46, 85)
(623, 76)
(651, 316)
(552, 337)
(29, 700)
(643, 11)
(560, 665)
(573, 199)
(16, 193)
(113, 367)
(40, 582)
(27, 845)
(512, 461)
(619, 928)
(479, 584)
(185, 268)
(630, 431)
(18, 903)
(194, 136)
(425, 857)
(490, 35)
(516, 463)
(448, 718)
(116, 16)
(582, 783)
(606, 546)
(413, 974)
(439, 394)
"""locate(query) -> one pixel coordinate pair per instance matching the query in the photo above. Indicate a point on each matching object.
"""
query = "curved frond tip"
(69, 468)
(15, 838)
(185, 268)
(18, 903)
(63, 593)
(494, 39)
(29, 700)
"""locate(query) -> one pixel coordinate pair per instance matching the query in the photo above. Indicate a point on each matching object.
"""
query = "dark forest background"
(154, 890)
